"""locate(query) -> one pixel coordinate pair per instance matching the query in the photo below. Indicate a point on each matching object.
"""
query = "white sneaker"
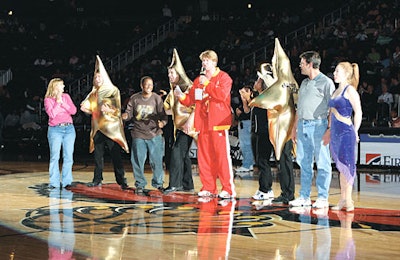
(242, 169)
(204, 199)
(204, 193)
(251, 168)
(260, 204)
(320, 203)
(263, 195)
(224, 195)
(300, 202)
(301, 210)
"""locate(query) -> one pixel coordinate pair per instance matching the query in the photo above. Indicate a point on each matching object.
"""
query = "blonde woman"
(61, 132)
(346, 116)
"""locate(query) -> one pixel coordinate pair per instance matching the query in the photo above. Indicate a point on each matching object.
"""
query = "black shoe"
(124, 186)
(68, 187)
(160, 188)
(94, 184)
(188, 190)
(172, 189)
(281, 200)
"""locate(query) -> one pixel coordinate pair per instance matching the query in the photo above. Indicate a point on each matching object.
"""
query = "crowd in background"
(38, 50)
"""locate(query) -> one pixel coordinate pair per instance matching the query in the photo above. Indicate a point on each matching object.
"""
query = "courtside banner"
(380, 150)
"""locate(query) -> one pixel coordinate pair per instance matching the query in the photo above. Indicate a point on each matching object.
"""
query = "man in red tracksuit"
(211, 94)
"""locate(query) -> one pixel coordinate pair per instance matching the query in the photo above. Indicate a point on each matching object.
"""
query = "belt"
(64, 124)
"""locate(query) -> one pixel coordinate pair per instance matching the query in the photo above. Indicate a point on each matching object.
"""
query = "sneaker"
(243, 174)
(300, 202)
(251, 168)
(260, 204)
(204, 199)
(204, 193)
(263, 196)
(242, 169)
(321, 212)
(320, 203)
(301, 210)
(224, 195)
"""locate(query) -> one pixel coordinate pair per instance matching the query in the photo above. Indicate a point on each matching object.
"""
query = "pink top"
(59, 112)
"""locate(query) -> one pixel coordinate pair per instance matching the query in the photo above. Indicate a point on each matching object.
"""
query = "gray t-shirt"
(314, 95)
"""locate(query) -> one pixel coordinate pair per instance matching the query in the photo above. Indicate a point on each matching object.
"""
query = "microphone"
(203, 71)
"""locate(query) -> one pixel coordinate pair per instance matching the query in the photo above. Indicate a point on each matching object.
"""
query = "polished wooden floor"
(109, 223)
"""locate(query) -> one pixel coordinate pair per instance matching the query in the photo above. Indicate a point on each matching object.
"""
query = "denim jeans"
(310, 148)
(155, 148)
(61, 136)
(244, 131)
(314, 244)
(61, 224)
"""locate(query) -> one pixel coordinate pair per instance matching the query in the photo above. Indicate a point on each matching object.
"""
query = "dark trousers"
(101, 143)
(262, 149)
(180, 167)
(286, 176)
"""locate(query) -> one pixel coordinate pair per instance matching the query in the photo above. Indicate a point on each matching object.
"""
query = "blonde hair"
(50, 88)
(209, 54)
(352, 71)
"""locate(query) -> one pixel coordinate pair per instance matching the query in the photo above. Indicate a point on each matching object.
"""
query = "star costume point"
(108, 122)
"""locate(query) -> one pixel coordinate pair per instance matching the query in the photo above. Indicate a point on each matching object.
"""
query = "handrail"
(126, 57)
(5, 76)
(260, 54)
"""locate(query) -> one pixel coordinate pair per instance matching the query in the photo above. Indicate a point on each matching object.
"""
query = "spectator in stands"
(12, 120)
(394, 118)
(344, 105)
(396, 56)
(384, 105)
(166, 11)
(369, 103)
(27, 120)
(394, 88)
(60, 134)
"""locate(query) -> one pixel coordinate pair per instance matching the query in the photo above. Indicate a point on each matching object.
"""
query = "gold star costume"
(183, 116)
(278, 98)
(109, 123)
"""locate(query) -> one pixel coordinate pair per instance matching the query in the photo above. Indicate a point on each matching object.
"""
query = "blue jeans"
(61, 137)
(310, 147)
(155, 148)
(244, 131)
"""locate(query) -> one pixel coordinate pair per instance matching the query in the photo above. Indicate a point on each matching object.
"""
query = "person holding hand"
(61, 133)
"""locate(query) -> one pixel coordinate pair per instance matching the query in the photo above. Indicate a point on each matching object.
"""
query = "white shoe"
(224, 195)
(263, 195)
(260, 204)
(301, 210)
(320, 203)
(204, 199)
(300, 202)
(204, 193)
(242, 169)
(251, 168)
